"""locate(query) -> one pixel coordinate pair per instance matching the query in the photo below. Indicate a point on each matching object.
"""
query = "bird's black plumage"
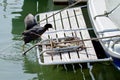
(34, 33)
(30, 21)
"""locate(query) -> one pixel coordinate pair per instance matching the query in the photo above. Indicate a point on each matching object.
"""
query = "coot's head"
(48, 26)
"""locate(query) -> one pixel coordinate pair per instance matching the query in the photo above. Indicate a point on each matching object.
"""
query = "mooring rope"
(61, 10)
(107, 13)
(114, 9)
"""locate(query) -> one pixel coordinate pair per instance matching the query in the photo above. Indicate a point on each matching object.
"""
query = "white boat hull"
(104, 26)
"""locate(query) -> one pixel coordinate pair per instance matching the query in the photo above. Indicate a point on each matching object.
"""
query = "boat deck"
(68, 23)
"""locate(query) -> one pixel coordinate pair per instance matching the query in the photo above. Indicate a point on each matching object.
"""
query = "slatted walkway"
(69, 22)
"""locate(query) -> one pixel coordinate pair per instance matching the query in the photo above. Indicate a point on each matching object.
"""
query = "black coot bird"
(34, 33)
(30, 21)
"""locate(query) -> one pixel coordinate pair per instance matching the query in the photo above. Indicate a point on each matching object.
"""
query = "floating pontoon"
(68, 42)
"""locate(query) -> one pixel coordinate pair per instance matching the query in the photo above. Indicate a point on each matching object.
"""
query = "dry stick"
(52, 45)
(82, 40)
(24, 53)
(69, 42)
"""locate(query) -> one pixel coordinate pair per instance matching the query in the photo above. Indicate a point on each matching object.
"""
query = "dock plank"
(73, 55)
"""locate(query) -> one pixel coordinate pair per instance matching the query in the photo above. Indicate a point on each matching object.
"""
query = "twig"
(81, 40)
(24, 53)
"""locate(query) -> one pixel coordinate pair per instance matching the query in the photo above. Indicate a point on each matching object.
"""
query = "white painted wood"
(67, 20)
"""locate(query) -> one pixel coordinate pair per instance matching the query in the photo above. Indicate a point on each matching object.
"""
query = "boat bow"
(104, 26)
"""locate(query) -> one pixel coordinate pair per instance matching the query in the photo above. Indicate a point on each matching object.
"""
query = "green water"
(13, 66)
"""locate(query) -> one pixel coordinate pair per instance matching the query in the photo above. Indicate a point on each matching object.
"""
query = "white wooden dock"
(69, 19)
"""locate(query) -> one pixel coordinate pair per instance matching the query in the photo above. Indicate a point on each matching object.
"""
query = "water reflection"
(18, 22)
(7, 7)
(105, 72)
(11, 59)
(27, 68)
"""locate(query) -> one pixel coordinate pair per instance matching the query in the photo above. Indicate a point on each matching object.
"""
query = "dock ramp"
(68, 28)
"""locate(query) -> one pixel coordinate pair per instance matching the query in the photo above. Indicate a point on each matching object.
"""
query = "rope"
(114, 9)
(61, 10)
(83, 40)
(107, 13)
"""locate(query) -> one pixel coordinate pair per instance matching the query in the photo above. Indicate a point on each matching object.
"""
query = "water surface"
(13, 66)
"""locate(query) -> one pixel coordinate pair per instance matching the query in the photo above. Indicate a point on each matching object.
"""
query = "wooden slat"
(60, 26)
(41, 17)
(47, 57)
(73, 55)
(90, 51)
